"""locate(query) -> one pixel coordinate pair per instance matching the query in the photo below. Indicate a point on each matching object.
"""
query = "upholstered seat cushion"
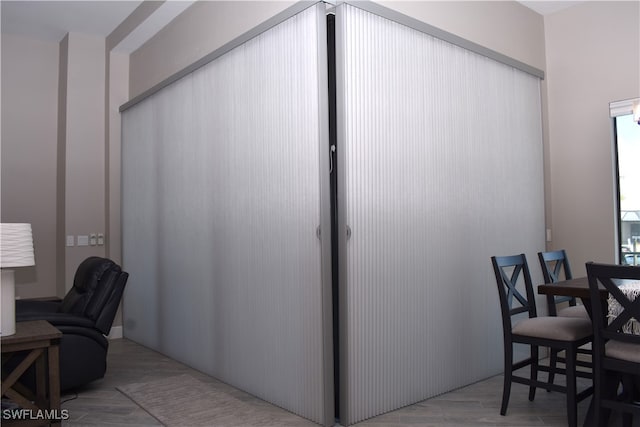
(555, 328)
(578, 311)
(623, 350)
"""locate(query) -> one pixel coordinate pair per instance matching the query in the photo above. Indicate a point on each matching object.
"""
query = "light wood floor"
(101, 404)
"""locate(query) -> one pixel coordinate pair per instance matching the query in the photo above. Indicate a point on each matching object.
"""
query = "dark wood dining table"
(578, 288)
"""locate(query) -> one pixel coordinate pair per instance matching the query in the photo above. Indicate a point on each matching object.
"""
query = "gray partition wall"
(440, 167)
(226, 210)
(223, 213)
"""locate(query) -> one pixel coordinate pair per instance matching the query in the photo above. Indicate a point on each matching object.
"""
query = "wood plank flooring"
(101, 404)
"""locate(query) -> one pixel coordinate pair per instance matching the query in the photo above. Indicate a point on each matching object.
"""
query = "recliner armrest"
(37, 306)
(49, 298)
(81, 331)
(57, 319)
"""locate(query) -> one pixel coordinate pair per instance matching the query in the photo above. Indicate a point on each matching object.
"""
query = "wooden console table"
(39, 341)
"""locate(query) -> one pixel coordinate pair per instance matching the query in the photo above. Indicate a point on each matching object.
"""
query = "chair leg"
(534, 371)
(553, 360)
(572, 404)
(605, 387)
(628, 393)
(599, 385)
(508, 373)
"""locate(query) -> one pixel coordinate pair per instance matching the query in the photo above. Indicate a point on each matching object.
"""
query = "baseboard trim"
(115, 333)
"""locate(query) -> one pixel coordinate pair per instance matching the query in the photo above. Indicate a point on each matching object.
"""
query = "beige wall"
(198, 31)
(61, 148)
(53, 153)
(29, 123)
(593, 58)
(85, 147)
(506, 27)
(503, 26)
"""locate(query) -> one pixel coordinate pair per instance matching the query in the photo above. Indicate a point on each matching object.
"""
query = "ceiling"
(52, 20)
(548, 7)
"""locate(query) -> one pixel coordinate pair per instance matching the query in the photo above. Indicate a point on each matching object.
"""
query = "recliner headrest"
(89, 273)
(92, 287)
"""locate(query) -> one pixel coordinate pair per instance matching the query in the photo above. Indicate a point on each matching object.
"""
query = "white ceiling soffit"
(52, 20)
(150, 26)
(548, 7)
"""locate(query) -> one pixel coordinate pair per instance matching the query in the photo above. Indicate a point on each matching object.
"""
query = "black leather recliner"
(84, 317)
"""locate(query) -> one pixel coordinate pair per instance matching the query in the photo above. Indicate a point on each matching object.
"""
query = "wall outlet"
(70, 241)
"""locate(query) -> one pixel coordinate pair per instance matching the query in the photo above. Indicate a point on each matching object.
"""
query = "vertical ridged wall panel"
(221, 202)
(440, 168)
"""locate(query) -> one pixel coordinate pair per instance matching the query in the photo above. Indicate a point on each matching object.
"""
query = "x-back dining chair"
(555, 267)
(616, 342)
(561, 333)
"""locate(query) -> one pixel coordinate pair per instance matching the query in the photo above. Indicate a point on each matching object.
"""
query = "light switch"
(100, 239)
(70, 241)
(83, 240)
(93, 239)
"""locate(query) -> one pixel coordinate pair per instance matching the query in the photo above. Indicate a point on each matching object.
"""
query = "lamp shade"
(16, 245)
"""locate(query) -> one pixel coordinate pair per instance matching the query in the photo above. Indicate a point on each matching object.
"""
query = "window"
(627, 140)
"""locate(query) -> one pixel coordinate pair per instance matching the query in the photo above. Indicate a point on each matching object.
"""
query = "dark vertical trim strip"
(333, 136)
(341, 217)
(328, 361)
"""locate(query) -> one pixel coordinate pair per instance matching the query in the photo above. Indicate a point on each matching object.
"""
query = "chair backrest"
(512, 274)
(97, 289)
(554, 264)
(613, 323)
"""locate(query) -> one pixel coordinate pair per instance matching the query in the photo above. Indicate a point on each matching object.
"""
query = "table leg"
(54, 380)
(610, 390)
(41, 380)
(611, 382)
